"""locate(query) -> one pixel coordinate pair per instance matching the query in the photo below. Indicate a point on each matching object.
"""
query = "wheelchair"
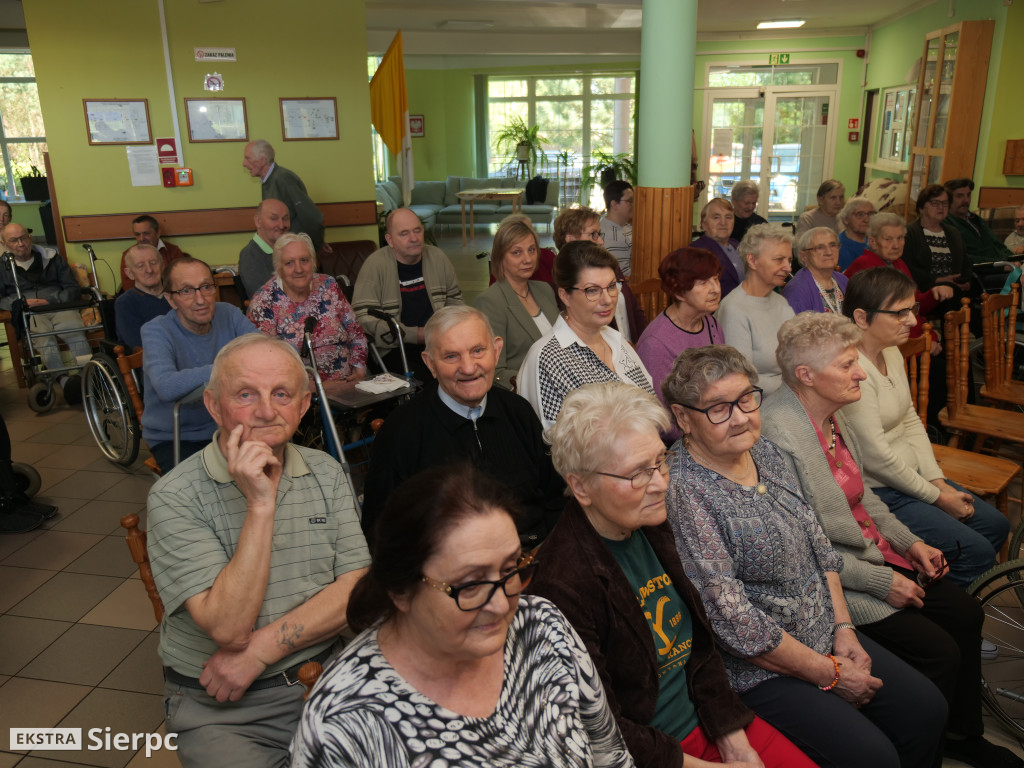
(1001, 594)
(42, 382)
(111, 410)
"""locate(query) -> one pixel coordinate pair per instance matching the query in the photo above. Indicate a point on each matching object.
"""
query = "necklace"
(708, 464)
(832, 424)
(520, 295)
(831, 297)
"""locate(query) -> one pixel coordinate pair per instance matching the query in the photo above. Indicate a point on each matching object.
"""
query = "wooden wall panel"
(662, 222)
(1000, 197)
(210, 221)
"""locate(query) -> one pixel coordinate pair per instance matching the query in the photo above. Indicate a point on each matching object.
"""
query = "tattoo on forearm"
(290, 634)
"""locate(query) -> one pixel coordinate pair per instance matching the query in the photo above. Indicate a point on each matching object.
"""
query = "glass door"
(789, 154)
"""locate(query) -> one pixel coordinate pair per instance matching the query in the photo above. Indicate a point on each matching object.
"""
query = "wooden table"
(472, 195)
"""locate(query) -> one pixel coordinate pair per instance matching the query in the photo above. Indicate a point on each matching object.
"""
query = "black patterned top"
(560, 362)
(552, 710)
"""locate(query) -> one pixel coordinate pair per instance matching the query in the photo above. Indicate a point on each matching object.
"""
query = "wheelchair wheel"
(26, 479)
(109, 412)
(998, 590)
(41, 397)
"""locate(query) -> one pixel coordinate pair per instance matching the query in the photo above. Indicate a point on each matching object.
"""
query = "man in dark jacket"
(464, 417)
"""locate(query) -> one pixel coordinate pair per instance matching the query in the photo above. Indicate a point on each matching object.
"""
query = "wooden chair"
(981, 474)
(308, 673)
(960, 417)
(650, 297)
(999, 328)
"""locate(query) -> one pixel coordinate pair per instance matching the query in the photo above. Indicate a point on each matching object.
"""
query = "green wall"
(445, 99)
(896, 46)
(80, 52)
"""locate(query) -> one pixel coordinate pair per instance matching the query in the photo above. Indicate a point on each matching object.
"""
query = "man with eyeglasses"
(180, 348)
(982, 245)
(43, 278)
(617, 224)
(146, 231)
(145, 300)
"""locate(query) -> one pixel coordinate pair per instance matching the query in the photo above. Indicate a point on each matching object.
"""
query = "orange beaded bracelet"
(835, 680)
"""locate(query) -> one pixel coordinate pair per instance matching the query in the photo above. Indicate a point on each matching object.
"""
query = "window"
(22, 137)
(579, 115)
(896, 121)
(751, 75)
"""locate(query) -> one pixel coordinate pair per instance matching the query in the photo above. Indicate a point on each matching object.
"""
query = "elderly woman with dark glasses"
(581, 348)
(611, 566)
(890, 577)
(455, 667)
(769, 579)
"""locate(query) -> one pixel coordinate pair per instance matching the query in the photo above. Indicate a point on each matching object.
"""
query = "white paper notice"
(722, 144)
(143, 166)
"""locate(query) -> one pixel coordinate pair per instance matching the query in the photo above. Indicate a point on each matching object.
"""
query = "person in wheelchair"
(296, 292)
(466, 417)
(180, 348)
(43, 278)
(145, 299)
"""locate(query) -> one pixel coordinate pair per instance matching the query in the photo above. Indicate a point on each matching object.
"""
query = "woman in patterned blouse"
(769, 579)
(581, 348)
(298, 291)
(455, 667)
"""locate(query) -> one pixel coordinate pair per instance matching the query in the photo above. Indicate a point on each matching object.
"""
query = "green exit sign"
(778, 58)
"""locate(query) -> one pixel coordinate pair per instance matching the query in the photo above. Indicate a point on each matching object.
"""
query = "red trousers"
(776, 750)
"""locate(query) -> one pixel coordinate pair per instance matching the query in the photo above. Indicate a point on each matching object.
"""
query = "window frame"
(13, 192)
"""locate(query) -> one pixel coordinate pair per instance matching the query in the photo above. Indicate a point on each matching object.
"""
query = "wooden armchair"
(981, 474)
(999, 329)
(959, 416)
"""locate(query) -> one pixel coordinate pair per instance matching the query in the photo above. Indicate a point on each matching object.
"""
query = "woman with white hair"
(296, 292)
(744, 204)
(855, 218)
(817, 287)
(716, 219)
(751, 315)
(610, 565)
(891, 579)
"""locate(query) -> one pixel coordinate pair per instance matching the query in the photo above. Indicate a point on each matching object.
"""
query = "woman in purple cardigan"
(610, 565)
(717, 220)
(817, 287)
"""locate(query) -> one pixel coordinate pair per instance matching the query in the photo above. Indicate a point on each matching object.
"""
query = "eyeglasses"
(474, 595)
(626, 200)
(23, 239)
(188, 291)
(823, 247)
(938, 203)
(593, 292)
(863, 214)
(719, 413)
(924, 580)
(901, 314)
(594, 235)
(642, 477)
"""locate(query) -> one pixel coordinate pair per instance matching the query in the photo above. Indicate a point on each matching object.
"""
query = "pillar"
(663, 211)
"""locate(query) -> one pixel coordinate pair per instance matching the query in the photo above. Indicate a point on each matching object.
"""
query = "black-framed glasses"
(188, 291)
(642, 477)
(594, 235)
(938, 203)
(719, 413)
(593, 292)
(901, 314)
(925, 580)
(474, 595)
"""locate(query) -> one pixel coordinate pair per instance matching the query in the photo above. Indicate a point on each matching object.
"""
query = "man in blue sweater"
(145, 299)
(179, 351)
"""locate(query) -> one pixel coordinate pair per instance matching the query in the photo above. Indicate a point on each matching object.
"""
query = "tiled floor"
(77, 634)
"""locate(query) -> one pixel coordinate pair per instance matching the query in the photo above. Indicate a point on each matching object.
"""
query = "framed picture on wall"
(215, 119)
(417, 127)
(309, 119)
(123, 121)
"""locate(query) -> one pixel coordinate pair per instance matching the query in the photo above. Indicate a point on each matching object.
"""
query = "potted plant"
(525, 139)
(605, 169)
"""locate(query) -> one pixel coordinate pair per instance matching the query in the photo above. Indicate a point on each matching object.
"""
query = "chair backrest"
(957, 333)
(346, 258)
(137, 546)
(128, 364)
(999, 324)
(917, 359)
(650, 297)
